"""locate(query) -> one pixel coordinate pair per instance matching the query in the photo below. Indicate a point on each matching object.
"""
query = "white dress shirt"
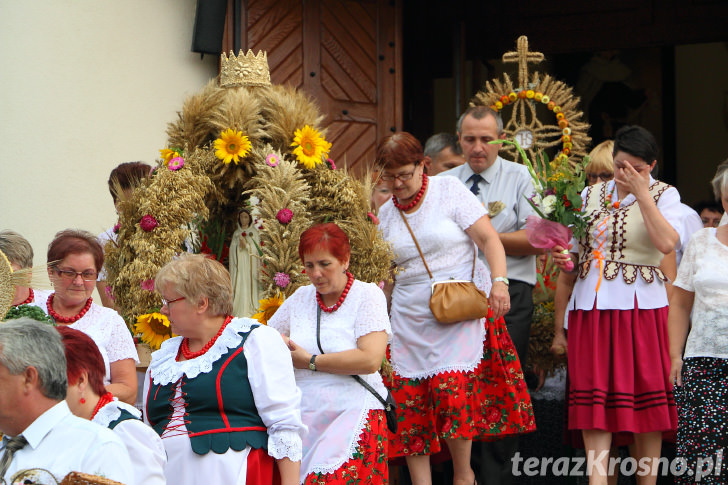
(62, 443)
(510, 183)
(144, 445)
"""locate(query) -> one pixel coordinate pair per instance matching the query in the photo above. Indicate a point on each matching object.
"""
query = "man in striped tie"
(39, 430)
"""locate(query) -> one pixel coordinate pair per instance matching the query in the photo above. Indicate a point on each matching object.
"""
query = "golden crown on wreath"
(244, 70)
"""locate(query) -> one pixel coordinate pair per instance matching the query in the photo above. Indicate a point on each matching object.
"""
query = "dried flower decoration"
(272, 160)
(148, 223)
(282, 279)
(284, 216)
(176, 163)
(147, 285)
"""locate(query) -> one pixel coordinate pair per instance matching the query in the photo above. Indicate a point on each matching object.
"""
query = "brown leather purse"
(454, 300)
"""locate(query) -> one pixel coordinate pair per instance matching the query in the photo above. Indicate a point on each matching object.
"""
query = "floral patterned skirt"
(484, 404)
(369, 463)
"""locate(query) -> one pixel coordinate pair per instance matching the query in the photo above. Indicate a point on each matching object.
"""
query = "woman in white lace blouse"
(337, 327)
(75, 259)
(699, 354)
(221, 395)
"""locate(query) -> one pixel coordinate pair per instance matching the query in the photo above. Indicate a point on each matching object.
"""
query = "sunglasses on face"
(605, 176)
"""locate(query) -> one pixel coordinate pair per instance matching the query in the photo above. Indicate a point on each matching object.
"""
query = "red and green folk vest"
(220, 411)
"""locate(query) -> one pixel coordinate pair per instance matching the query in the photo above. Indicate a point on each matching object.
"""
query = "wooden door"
(346, 54)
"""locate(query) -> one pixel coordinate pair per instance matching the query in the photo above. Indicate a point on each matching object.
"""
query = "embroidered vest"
(220, 411)
(628, 248)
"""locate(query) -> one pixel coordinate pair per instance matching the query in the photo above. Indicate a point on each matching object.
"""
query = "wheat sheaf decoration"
(540, 112)
(240, 145)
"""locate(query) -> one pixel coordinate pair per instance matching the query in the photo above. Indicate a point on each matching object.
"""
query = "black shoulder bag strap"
(387, 406)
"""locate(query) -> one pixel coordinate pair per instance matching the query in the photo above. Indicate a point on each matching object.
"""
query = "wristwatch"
(312, 363)
(502, 279)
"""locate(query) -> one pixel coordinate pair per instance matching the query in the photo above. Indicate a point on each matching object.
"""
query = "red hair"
(82, 355)
(75, 241)
(399, 150)
(328, 237)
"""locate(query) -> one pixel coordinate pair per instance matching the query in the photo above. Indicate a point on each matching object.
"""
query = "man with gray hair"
(442, 152)
(39, 430)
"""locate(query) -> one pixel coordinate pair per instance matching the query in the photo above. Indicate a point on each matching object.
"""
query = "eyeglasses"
(402, 177)
(70, 275)
(169, 302)
(606, 176)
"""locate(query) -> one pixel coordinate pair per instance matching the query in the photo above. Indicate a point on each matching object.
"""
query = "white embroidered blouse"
(107, 329)
(422, 347)
(334, 406)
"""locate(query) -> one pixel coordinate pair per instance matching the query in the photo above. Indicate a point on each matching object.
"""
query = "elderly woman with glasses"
(453, 383)
(75, 258)
(222, 394)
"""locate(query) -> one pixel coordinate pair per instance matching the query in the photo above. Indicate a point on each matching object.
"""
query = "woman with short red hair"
(88, 398)
(337, 327)
(453, 383)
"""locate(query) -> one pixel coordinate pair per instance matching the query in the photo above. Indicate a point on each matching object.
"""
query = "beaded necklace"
(184, 348)
(417, 198)
(61, 319)
(329, 309)
(609, 204)
(30, 298)
(103, 401)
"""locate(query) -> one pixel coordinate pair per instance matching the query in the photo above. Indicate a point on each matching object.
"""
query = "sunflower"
(268, 307)
(154, 328)
(232, 146)
(311, 148)
(168, 154)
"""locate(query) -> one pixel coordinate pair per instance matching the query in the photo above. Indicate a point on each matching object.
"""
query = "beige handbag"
(454, 300)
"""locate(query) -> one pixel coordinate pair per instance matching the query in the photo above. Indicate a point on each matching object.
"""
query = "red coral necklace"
(184, 348)
(30, 298)
(416, 199)
(61, 319)
(329, 309)
(103, 401)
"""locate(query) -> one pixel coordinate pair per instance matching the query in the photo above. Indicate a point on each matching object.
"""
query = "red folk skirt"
(484, 404)
(369, 463)
(619, 366)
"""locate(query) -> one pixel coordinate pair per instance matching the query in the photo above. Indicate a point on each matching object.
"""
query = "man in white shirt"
(502, 186)
(39, 429)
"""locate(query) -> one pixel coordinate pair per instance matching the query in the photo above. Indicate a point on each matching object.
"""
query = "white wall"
(86, 85)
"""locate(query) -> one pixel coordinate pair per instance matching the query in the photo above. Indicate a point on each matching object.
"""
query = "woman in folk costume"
(221, 395)
(454, 383)
(337, 327)
(88, 398)
(618, 341)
